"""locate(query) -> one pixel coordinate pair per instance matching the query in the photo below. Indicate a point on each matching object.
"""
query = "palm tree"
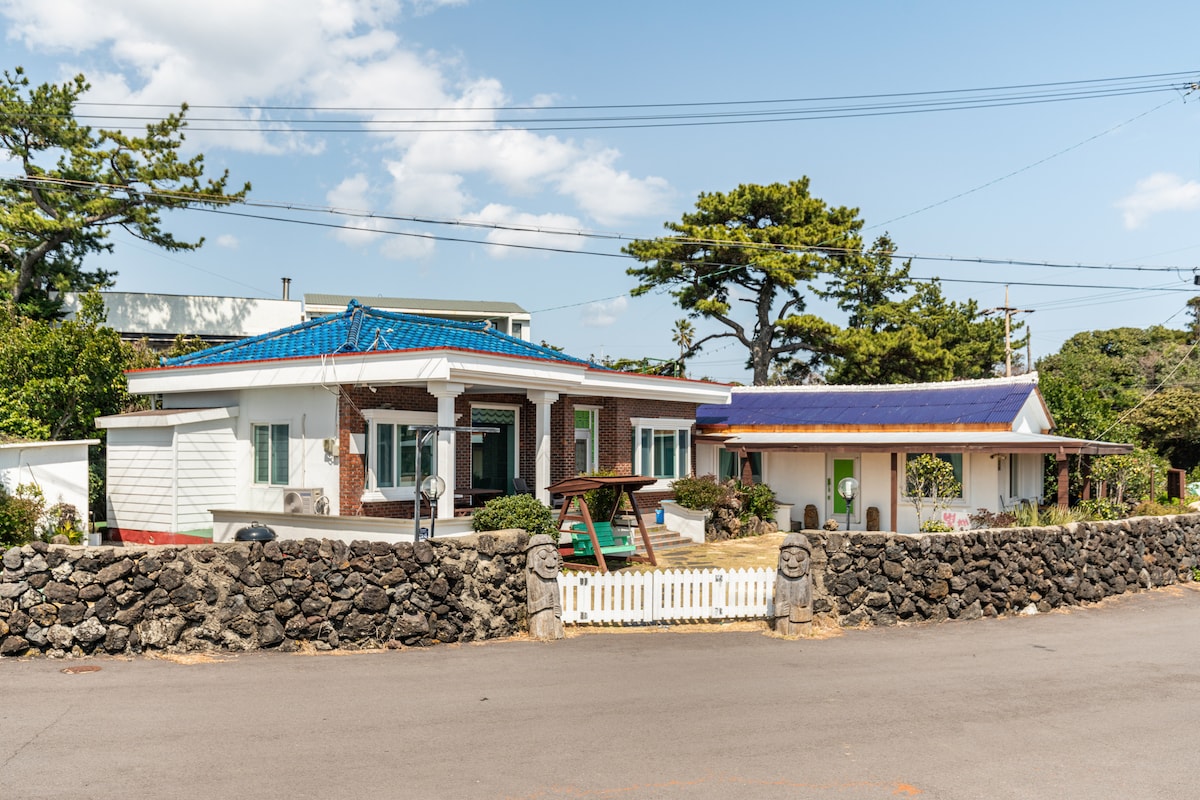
(684, 334)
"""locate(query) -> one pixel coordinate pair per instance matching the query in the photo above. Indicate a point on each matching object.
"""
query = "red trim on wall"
(132, 536)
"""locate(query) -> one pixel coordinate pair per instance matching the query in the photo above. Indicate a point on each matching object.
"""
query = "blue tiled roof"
(362, 329)
(940, 404)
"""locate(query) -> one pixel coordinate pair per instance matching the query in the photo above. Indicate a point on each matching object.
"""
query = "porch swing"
(595, 539)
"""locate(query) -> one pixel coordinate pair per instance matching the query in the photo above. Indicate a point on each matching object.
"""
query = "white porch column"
(542, 402)
(446, 393)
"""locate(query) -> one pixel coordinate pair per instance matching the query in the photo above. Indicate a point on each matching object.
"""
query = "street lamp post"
(848, 489)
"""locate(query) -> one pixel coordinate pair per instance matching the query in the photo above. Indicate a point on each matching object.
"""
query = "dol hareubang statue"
(793, 587)
(542, 565)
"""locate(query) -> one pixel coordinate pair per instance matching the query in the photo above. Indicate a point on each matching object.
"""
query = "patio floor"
(752, 551)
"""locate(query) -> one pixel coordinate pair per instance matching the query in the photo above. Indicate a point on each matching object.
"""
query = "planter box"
(684, 521)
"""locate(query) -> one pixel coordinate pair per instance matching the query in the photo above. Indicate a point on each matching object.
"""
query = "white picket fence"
(662, 595)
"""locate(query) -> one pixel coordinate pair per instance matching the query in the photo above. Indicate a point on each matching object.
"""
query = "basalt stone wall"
(61, 600)
(886, 578)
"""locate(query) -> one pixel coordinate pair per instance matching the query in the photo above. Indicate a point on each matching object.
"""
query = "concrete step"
(663, 539)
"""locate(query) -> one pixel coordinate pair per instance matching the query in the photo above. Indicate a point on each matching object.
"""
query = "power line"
(863, 106)
(569, 232)
(720, 266)
(1173, 76)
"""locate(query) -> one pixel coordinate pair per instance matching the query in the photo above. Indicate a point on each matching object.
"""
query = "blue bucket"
(659, 516)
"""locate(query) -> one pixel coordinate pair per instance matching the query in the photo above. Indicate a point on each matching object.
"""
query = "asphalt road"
(1101, 702)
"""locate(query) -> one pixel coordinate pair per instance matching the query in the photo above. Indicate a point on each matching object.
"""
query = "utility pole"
(1008, 312)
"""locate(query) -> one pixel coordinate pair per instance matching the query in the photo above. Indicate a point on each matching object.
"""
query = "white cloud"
(347, 54)
(610, 195)
(603, 313)
(1162, 191)
(228, 241)
(538, 230)
(353, 195)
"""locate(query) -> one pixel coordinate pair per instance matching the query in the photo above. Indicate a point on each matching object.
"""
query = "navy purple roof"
(362, 329)
(972, 403)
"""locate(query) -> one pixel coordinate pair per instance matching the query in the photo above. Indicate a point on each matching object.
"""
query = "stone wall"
(62, 600)
(885, 578)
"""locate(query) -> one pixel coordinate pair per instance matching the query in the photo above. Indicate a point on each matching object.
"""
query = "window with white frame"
(587, 439)
(270, 442)
(392, 452)
(662, 447)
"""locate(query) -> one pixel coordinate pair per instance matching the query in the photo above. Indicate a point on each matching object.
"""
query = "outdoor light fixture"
(433, 487)
(848, 489)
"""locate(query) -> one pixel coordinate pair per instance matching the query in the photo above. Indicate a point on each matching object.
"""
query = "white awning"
(915, 442)
(166, 417)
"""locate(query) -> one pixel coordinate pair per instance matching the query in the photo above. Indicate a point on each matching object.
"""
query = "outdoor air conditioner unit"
(305, 501)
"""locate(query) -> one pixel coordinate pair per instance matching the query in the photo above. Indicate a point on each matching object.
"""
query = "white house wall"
(1032, 416)
(797, 478)
(803, 478)
(59, 470)
(875, 483)
(141, 485)
(206, 459)
(311, 416)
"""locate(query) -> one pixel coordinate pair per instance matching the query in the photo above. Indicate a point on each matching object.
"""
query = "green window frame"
(270, 453)
(394, 456)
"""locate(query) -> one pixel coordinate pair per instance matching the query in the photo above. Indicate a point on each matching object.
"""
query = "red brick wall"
(352, 469)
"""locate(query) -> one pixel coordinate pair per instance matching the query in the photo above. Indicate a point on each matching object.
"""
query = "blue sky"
(1110, 181)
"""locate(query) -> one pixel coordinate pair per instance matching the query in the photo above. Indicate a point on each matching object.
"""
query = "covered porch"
(997, 470)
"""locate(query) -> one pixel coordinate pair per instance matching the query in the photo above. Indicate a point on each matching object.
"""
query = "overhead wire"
(228, 209)
(874, 105)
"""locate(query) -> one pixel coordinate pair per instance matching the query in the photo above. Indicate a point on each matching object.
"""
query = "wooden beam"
(1064, 481)
(895, 509)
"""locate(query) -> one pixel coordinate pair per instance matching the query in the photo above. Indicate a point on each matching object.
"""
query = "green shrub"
(983, 518)
(758, 500)
(701, 493)
(20, 514)
(62, 519)
(602, 502)
(1157, 510)
(935, 526)
(522, 511)
(1102, 508)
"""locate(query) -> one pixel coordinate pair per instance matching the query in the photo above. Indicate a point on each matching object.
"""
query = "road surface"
(1095, 703)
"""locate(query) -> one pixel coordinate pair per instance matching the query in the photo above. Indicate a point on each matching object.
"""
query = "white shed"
(58, 469)
(167, 469)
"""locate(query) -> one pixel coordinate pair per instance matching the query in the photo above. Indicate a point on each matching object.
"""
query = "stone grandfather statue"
(793, 587)
(542, 565)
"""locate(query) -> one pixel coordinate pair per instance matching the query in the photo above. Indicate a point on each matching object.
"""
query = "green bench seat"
(610, 543)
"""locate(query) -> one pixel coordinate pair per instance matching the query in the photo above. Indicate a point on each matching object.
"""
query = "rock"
(372, 598)
(13, 646)
(90, 631)
(410, 625)
(57, 592)
(13, 560)
(60, 636)
(159, 633)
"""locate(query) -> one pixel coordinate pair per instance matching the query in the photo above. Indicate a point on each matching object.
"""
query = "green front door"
(842, 468)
